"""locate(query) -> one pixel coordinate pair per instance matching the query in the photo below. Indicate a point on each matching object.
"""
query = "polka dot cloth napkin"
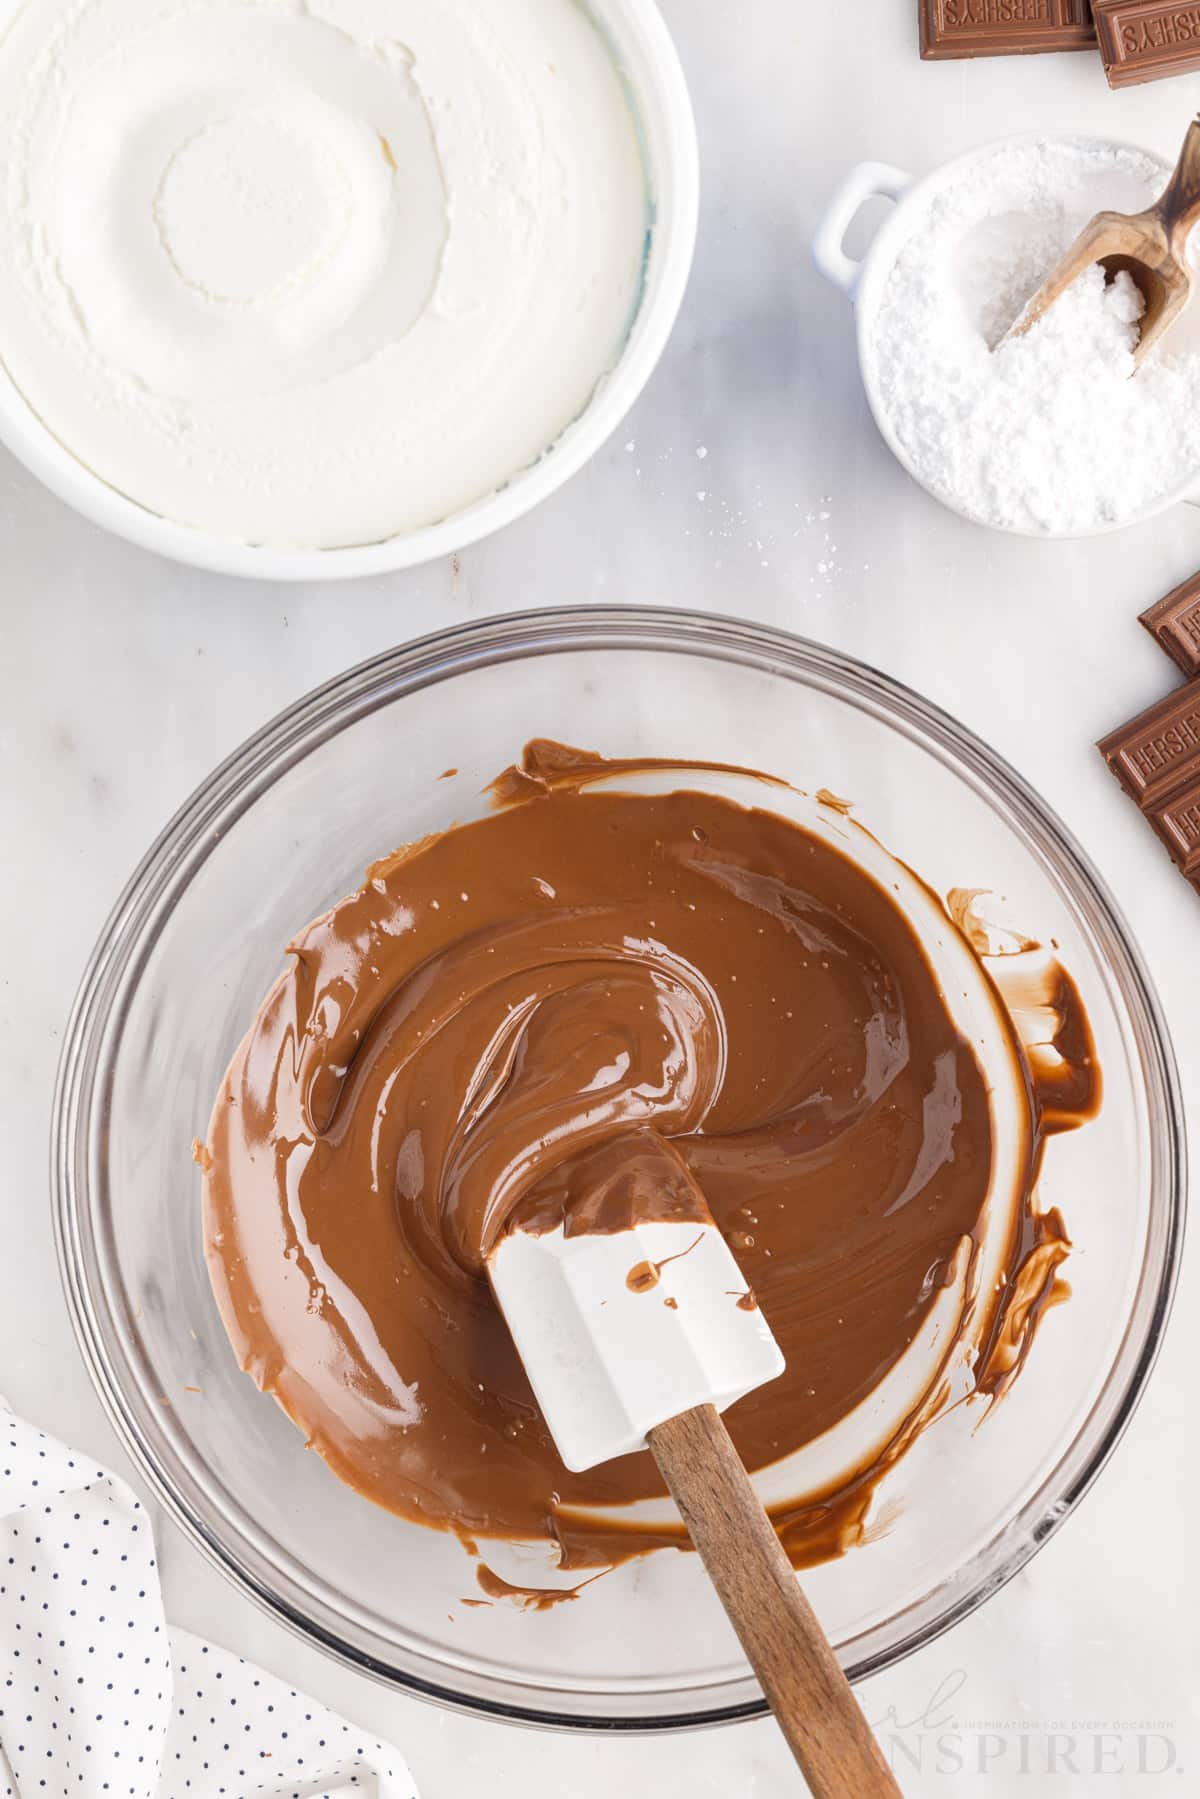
(99, 1696)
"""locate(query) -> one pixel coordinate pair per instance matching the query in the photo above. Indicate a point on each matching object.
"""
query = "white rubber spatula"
(639, 1338)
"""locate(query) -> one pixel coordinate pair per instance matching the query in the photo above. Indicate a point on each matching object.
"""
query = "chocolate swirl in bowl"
(534, 1018)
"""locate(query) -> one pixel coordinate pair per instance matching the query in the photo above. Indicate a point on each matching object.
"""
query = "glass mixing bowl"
(285, 827)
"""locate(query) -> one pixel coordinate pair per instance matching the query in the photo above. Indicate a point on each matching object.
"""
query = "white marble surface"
(123, 680)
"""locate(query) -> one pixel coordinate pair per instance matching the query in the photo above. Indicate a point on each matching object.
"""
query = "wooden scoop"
(1150, 246)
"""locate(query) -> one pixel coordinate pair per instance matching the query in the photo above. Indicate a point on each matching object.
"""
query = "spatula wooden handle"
(755, 1582)
(1178, 207)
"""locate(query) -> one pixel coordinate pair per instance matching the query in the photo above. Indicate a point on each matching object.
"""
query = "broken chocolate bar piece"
(953, 28)
(1177, 822)
(1175, 623)
(1143, 40)
(1158, 753)
(1156, 758)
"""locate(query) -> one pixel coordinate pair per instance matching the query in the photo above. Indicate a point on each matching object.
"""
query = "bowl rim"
(383, 680)
(658, 92)
(877, 263)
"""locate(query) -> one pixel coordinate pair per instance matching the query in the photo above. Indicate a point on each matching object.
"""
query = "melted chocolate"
(526, 1599)
(569, 1012)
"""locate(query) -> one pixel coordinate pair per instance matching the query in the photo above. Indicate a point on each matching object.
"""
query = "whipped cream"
(310, 273)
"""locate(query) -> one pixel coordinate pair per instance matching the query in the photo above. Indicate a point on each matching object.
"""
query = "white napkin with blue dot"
(99, 1696)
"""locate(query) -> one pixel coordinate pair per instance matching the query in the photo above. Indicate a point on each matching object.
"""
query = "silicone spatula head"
(624, 1319)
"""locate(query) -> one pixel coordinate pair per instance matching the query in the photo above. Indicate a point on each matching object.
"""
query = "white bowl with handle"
(864, 282)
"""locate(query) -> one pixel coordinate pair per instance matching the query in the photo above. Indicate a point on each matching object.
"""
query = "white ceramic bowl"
(864, 281)
(646, 57)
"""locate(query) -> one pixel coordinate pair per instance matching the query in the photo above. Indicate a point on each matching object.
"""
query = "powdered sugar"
(1050, 431)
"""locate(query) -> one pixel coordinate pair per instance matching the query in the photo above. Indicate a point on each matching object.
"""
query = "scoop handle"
(799, 1674)
(1178, 206)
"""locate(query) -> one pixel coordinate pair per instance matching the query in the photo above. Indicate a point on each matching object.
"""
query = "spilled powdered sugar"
(1051, 431)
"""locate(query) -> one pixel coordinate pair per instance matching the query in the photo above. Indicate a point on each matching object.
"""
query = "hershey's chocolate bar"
(1175, 622)
(1158, 752)
(951, 28)
(1177, 822)
(1143, 40)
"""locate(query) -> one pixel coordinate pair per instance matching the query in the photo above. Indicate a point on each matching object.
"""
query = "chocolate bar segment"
(953, 28)
(1143, 40)
(1177, 822)
(1175, 623)
(1158, 752)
